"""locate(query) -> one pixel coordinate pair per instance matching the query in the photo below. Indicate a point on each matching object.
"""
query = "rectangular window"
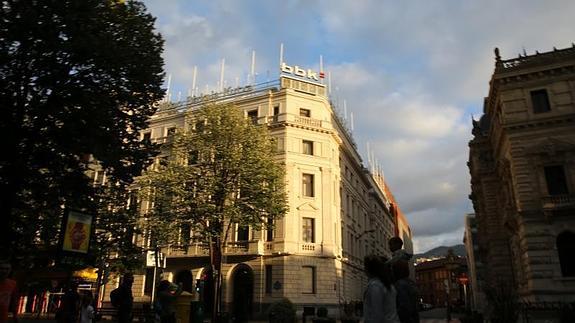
(243, 233)
(147, 137)
(192, 157)
(199, 126)
(276, 110)
(269, 279)
(556, 180)
(307, 147)
(307, 185)
(540, 101)
(253, 115)
(171, 131)
(308, 230)
(305, 113)
(307, 279)
(270, 230)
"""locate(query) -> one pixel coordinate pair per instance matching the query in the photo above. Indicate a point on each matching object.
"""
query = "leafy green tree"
(219, 173)
(79, 78)
(117, 214)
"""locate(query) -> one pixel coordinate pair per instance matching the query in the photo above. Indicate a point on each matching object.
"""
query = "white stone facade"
(349, 215)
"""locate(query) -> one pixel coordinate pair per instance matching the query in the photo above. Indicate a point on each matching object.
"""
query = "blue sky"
(411, 72)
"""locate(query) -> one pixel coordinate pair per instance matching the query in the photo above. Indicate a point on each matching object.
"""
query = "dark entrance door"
(185, 277)
(243, 287)
(207, 292)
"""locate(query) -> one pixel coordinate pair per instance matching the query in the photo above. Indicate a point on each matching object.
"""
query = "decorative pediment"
(549, 146)
(307, 206)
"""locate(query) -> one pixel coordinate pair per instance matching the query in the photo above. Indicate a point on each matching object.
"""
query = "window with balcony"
(270, 230)
(308, 230)
(540, 101)
(243, 233)
(566, 250)
(556, 180)
(308, 279)
(307, 185)
(305, 113)
(307, 147)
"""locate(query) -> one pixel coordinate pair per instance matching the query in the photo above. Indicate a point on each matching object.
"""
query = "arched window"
(566, 250)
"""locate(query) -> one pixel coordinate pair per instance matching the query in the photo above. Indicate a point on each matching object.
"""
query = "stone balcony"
(298, 121)
(232, 248)
(562, 201)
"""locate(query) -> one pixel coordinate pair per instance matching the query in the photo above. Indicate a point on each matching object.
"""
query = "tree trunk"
(216, 262)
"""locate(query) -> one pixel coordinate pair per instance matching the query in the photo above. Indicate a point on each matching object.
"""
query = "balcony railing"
(252, 247)
(296, 119)
(558, 201)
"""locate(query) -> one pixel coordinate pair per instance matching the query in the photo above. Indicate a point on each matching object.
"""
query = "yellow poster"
(77, 234)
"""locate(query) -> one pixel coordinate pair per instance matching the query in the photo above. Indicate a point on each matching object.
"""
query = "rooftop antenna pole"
(222, 67)
(281, 54)
(194, 75)
(252, 75)
(345, 109)
(179, 96)
(168, 89)
(321, 67)
(237, 81)
(351, 120)
(368, 156)
(329, 82)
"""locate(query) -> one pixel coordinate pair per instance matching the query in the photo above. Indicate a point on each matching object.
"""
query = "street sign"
(151, 259)
(463, 279)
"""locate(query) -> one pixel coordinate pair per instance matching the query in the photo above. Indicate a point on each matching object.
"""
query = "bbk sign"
(298, 71)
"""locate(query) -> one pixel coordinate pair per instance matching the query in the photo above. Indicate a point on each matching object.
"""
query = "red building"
(441, 280)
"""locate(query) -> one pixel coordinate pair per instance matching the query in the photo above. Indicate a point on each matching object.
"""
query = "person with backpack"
(123, 300)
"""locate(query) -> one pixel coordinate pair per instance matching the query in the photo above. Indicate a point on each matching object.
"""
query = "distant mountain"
(458, 250)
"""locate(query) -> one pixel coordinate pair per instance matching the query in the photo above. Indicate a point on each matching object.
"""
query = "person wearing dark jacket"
(406, 293)
(123, 300)
(167, 295)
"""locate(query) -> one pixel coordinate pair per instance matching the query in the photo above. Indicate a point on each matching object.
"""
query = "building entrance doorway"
(206, 285)
(185, 277)
(243, 292)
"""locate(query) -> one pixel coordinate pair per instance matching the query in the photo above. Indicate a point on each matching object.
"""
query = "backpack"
(115, 297)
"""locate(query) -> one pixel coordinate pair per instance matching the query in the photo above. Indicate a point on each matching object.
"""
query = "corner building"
(522, 165)
(338, 210)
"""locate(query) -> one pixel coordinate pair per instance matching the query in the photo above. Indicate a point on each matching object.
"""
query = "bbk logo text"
(297, 71)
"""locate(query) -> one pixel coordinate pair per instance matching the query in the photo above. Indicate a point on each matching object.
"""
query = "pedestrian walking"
(406, 293)
(396, 245)
(69, 310)
(123, 300)
(87, 313)
(167, 294)
(379, 299)
(8, 292)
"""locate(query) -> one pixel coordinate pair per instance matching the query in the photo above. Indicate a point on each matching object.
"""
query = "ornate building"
(522, 165)
(338, 209)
